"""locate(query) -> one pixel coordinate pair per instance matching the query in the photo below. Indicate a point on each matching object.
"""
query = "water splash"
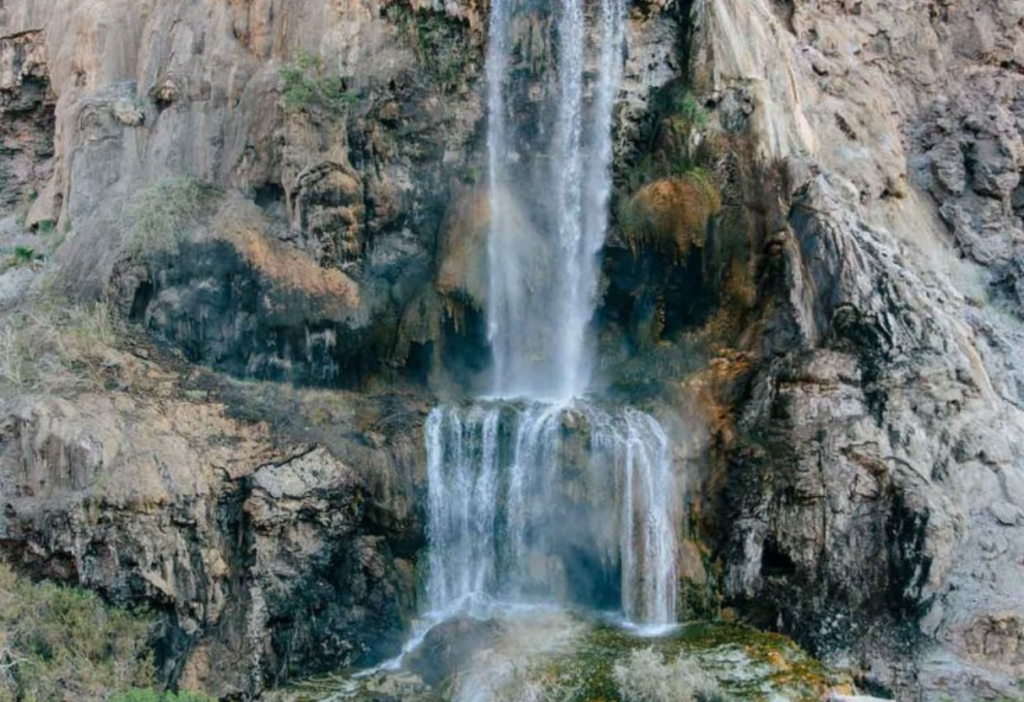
(524, 506)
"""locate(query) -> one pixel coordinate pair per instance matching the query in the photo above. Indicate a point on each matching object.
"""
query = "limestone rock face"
(27, 125)
(877, 480)
(824, 302)
(139, 93)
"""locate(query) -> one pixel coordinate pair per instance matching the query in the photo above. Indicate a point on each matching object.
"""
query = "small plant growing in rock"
(307, 85)
(26, 256)
(691, 110)
(159, 217)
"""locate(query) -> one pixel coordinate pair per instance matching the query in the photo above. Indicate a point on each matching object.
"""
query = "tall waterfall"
(542, 287)
(537, 495)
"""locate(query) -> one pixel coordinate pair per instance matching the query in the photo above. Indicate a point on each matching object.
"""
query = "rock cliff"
(814, 278)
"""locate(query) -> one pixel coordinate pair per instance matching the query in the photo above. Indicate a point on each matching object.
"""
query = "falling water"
(543, 260)
(515, 554)
(536, 489)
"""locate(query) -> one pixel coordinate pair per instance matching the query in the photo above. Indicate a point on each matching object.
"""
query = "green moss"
(308, 85)
(775, 663)
(725, 662)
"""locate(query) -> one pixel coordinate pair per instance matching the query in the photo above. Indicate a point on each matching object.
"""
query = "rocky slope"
(814, 279)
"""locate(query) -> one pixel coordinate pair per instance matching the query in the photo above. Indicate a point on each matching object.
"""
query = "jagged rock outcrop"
(266, 560)
(876, 474)
(27, 124)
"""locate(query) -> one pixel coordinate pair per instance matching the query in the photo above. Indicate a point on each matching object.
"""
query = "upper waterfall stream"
(537, 495)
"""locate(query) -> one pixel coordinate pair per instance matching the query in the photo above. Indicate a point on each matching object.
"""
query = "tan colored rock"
(463, 257)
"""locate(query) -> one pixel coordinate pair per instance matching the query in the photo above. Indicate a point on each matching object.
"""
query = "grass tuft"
(55, 345)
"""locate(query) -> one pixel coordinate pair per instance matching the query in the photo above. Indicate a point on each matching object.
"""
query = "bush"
(647, 677)
(61, 643)
(159, 217)
(690, 109)
(306, 85)
(26, 255)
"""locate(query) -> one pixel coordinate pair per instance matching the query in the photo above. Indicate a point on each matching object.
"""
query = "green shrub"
(159, 217)
(24, 255)
(307, 85)
(690, 109)
(58, 643)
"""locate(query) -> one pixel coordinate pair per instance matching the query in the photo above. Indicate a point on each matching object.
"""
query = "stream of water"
(537, 494)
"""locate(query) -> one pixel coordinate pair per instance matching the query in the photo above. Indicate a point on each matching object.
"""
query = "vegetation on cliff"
(61, 643)
(308, 84)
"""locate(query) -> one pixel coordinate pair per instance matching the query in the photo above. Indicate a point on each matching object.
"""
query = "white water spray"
(542, 287)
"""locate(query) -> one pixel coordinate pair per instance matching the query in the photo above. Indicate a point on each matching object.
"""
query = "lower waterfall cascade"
(606, 506)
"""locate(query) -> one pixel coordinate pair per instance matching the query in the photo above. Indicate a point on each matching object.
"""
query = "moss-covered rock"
(558, 656)
(671, 215)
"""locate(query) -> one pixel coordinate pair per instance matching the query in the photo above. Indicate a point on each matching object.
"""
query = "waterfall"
(542, 289)
(555, 503)
(535, 494)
